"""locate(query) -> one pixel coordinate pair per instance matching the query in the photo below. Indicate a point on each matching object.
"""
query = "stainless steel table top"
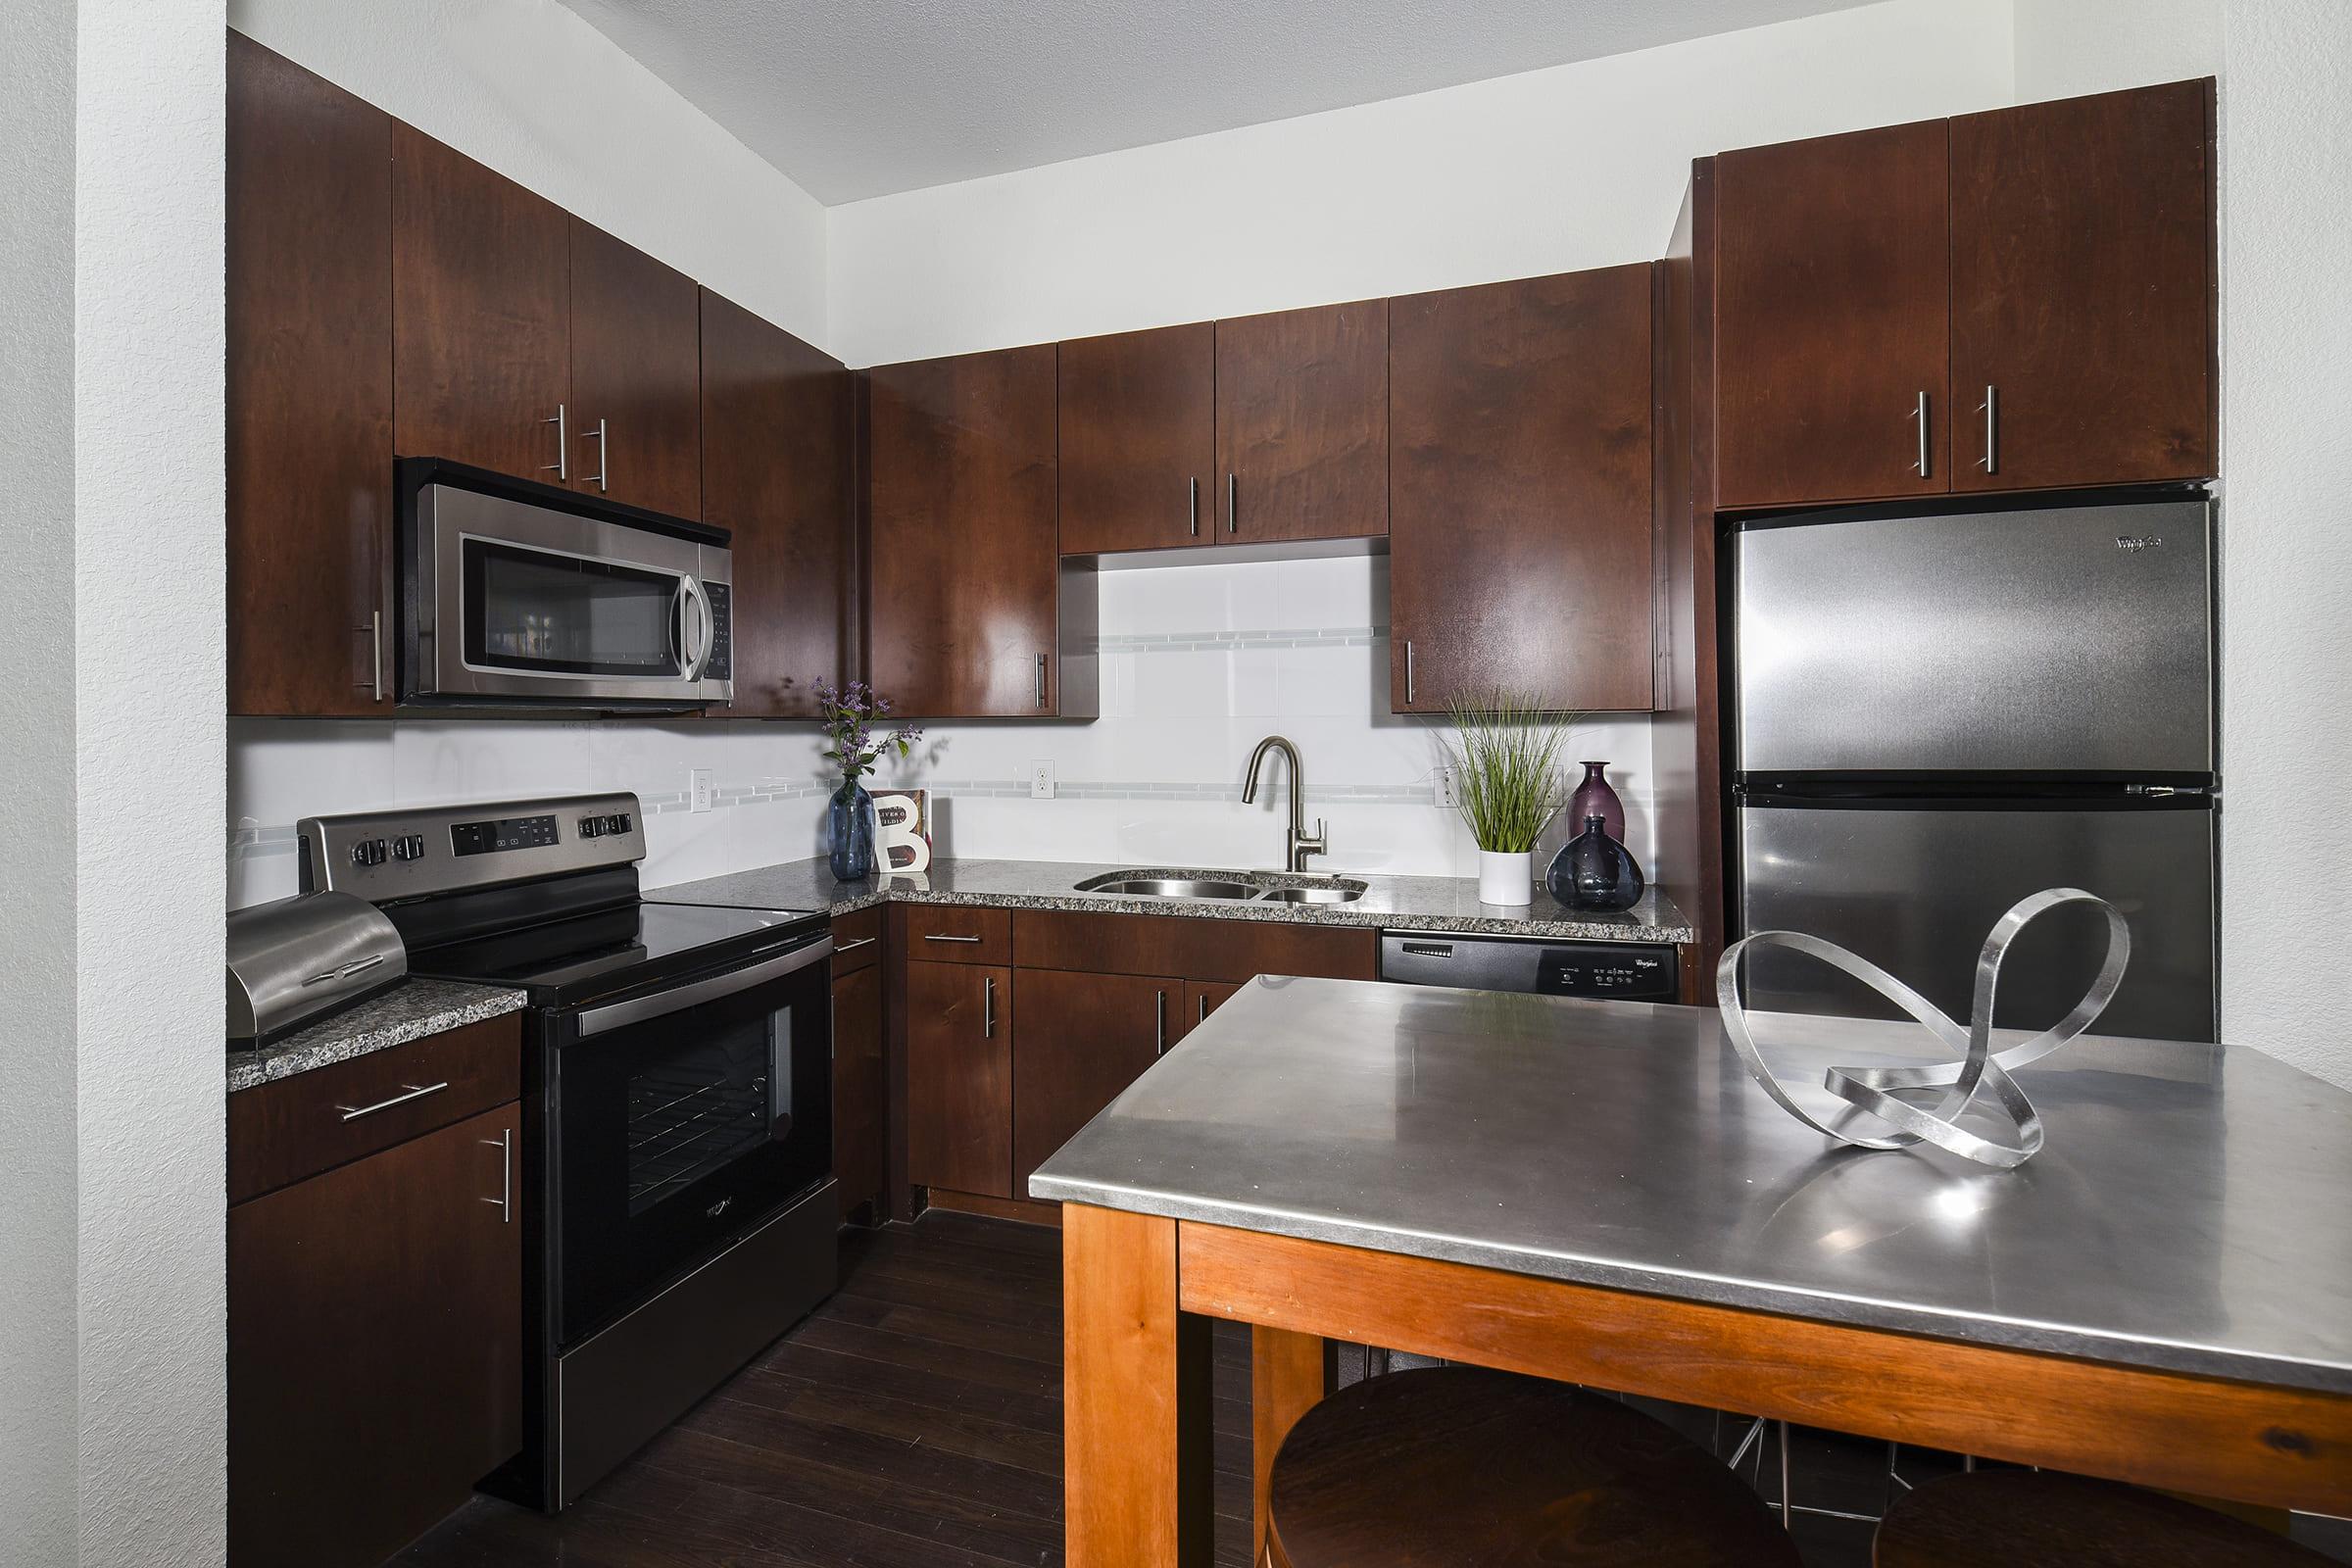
(2189, 1213)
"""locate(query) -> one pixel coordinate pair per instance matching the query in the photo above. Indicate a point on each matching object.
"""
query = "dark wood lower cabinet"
(1203, 998)
(374, 1347)
(960, 1022)
(861, 1088)
(1084, 1038)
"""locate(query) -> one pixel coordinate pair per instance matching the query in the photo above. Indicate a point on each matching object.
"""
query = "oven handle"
(618, 1015)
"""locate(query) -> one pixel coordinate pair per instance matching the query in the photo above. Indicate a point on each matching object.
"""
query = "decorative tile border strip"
(1185, 642)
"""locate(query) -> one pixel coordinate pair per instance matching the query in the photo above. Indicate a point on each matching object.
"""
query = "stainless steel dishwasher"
(1551, 966)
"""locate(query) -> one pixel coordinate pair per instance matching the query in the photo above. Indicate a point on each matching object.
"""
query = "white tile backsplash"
(1201, 661)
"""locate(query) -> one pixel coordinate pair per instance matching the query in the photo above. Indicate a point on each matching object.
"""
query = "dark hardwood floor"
(915, 1421)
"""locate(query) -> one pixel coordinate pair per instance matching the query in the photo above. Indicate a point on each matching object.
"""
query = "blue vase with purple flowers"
(850, 713)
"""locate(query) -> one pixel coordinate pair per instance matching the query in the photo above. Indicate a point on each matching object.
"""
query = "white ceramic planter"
(1506, 879)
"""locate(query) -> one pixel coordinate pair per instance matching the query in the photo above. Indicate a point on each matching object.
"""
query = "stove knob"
(410, 848)
(620, 823)
(368, 851)
(591, 826)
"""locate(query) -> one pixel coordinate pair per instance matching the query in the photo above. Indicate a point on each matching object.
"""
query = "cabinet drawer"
(951, 934)
(296, 1127)
(1196, 947)
(856, 941)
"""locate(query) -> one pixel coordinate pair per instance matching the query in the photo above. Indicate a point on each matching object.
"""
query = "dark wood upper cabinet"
(777, 465)
(1303, 425)
(1832, 285)
(964, 613)
(481, 314)
(635, 408)
(1520, 528)
(2082, 291)
(310, 392)
(1084, 1039)
(958, 1033)
(374, 1347)
(1139, 416)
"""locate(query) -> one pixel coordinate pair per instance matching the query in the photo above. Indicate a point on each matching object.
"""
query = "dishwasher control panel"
(1614, 971)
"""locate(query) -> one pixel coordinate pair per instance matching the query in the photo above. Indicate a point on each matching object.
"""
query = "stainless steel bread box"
(293, 961)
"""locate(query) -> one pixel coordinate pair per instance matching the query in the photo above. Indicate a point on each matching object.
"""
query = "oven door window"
(541, 611)
(680, 1132)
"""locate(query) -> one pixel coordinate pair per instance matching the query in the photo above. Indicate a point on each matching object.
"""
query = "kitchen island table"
(1596, 1192)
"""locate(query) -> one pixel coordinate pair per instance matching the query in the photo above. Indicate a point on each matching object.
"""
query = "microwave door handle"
(699, 645)
(675, 636)
(620, 1015)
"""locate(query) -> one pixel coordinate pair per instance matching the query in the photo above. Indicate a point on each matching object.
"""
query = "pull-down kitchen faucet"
(1296, 842)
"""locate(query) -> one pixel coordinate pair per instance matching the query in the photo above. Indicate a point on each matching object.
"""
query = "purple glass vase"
(1597, 796)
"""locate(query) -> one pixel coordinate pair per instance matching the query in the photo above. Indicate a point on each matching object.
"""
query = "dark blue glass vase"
(1593, 871)
(850, 831)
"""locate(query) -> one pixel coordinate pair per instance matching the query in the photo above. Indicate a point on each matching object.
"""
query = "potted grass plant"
(1506, 785)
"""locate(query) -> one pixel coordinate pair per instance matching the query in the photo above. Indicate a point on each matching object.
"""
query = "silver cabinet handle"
(562, 463)
(1200, 1013)
(1233, 513)
(1192, 485)
(506, 1175)
(988, 1006)
(1408, 672)
(1919, 411)
(1990, 462)
(1159, 1023)
(1041, 680)
(933, 936)
(604, 456)
(414, 1091)
(840, 948)
(376, 644)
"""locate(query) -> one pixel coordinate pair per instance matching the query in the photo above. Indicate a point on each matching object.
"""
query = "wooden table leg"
(1288, 1373)
(1136, 1397)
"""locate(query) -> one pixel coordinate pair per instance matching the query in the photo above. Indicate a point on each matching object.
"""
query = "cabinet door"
(2082, 302)
(635, 410)
(961, 606)
(1302, 424)
(374, 1347)
(860, 1089)
(310, 392)
(960, 1077)
(1139, 421)
(1519, 493)
(1084, 1038)
(1203, 998)
(777, 459)
(1832, 317)
(481, 314)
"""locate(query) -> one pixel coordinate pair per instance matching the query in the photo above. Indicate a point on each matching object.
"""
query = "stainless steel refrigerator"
(1935, 714)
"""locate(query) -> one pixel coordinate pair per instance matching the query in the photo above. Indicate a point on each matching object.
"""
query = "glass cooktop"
(603, 950)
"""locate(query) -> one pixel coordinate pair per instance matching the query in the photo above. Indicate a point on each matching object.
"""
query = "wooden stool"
(2028, 1519)
(1460, 1467)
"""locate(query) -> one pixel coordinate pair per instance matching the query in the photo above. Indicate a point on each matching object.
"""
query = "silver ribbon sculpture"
(1873, 1090)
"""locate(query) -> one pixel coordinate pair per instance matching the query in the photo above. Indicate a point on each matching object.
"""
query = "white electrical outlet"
(1448, 792)
(1041, 779)
(702, 782)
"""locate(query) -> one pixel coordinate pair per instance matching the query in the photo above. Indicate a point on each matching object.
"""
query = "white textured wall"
(147, 674)
(37, 1383)
(2286, 594)
(528, 88)
(1573, 167)
(2067, 48)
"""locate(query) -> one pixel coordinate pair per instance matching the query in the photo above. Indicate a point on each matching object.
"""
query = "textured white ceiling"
(856, 98)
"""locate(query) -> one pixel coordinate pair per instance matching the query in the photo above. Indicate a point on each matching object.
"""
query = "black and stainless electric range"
(678, 1194)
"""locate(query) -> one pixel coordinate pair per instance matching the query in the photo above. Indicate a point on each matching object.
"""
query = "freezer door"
(1915, 890)
(2062, 641)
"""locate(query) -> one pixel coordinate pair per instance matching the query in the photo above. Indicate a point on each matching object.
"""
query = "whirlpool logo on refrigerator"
(2132, 544)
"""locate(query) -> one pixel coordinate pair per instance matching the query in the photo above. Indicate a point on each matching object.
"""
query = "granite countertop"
(1399, 902)
(409, 1010)
(2187, 1214)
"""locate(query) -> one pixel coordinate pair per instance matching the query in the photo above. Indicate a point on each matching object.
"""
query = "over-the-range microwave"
(523, 595)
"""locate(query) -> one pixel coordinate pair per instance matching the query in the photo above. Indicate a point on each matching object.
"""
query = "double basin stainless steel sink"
(1246, 887)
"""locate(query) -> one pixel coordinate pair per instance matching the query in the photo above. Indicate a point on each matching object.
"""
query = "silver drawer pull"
(840, 948)
(929, 936)
(415, 1091)
(506, 1175)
